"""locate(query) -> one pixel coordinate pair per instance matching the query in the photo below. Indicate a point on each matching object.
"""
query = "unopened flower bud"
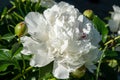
(78, 73)
(20, 29)
(113, 63)
(89, 14)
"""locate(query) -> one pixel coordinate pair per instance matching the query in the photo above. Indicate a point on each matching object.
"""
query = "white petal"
(119, 32)
(90, 59)
(59, 71)
(116, 8)
(41, 59)
(27, 48)
(37, 26)
(51, 15)
(113, 26)
(91, 67)
(41, 56)
(32, 20)
(25, 51)
(64, 46)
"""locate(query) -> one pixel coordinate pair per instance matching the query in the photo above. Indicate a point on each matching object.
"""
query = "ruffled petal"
(113, 26)
(37, 26)
(41, 59)
(60, 71)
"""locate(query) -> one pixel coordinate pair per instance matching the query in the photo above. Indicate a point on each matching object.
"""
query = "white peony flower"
(114, 22)
(63, 35)
(45, 3)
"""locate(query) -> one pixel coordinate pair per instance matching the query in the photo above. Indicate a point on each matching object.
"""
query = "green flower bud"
(78, 73)
(89, 14)
(113, 63)
(20, 29)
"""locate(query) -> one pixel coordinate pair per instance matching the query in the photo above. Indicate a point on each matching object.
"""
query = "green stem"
(39, 74)
(16, 14)
(112, 40)
(100, 61)
(23, 62)
(21, 74)
(11, 9)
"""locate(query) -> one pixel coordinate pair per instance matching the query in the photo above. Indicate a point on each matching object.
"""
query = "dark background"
(100, 7)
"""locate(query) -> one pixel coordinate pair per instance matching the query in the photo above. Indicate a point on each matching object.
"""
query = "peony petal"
(59, 71)
(91, 67)
(113, 26)
(116, 8)
(41, 59)
(30, 46)
(64, 46)
(37, 26)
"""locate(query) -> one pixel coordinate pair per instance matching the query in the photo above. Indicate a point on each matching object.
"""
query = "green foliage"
(6, 60)
(101, 27)
(8, 37)
(12, 63)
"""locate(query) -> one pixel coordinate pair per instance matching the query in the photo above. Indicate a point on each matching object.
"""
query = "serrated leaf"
(101, 27)
(8, 37)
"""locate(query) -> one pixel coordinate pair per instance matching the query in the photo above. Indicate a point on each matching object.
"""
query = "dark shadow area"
(100, 7)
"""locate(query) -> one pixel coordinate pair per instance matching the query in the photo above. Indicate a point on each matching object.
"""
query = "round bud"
(78, 73)
(89, 14)
(20, 29)
(113, 63)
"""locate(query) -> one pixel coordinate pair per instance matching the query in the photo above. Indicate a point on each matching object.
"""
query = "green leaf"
(8, 37)
(110, 53)
(13, 3)
(4, 54)
(3, 67)
(45, 72)
(16, 48)
(4, 73)
(101, 27)
(6, 60)
(4, 13)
